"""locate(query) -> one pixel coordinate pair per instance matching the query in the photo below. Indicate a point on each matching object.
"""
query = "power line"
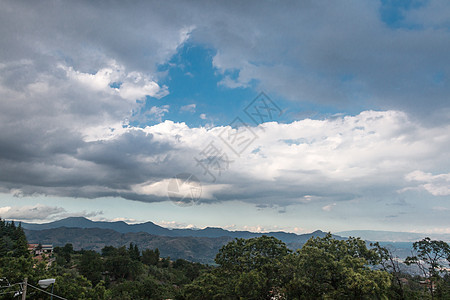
(46, 292)
(8, 292)
(8, 286)
(26, 283)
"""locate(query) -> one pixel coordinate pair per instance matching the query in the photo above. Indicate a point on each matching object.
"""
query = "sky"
(245, 115)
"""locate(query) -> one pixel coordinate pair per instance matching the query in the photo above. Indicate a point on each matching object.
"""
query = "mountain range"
(152, 228)
(199, 245)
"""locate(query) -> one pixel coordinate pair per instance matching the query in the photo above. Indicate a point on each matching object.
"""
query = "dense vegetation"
(196, 249)
(256, 268)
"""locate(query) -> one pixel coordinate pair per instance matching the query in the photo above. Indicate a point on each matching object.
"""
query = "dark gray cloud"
(85, 33)
(333, 53)
(83, 169)
(314, 51)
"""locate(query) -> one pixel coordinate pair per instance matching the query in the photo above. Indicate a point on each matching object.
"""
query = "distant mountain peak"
(72, 219)
(152, 228)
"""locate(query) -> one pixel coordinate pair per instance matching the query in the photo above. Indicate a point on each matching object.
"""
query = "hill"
(193, 245)
(151, 228)
(196, 249)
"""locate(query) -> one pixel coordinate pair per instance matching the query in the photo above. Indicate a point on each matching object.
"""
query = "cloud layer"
(372, 154)
(76, 76)
(311, 51)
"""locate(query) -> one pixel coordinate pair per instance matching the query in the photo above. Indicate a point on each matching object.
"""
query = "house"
(38, 249)
(428, 283)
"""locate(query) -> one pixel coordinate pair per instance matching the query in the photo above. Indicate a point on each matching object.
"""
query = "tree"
(335, 269)
(70, 285)
(64, 254)
(212, 285)
(121, 266)
(391, 264)
(145, 288)
(248, 269)
(13, 241)
(432, 257)
(251, 285)
(259, 259)
(20, 242)
(108, 251)
(189, 269)
(91, 266)
(262, 253)
(150, 257)
(443, 287)
(68, 248)
(133, 252)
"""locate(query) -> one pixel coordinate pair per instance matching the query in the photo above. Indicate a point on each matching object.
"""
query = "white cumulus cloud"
(188, 108)
(437, 185)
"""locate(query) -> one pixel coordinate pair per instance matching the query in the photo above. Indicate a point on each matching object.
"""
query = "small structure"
(38, 249)
(428, 284)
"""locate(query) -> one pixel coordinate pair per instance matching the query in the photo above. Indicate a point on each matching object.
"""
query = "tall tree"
(150, 257)
(432, 257)
(335, 269)
(121, 266)
(91, 266)
(390, 263)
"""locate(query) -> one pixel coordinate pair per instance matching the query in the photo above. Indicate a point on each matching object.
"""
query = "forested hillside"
(196, 249)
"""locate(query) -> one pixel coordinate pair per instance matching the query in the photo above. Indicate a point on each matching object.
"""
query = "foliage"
(12, 240)
(150, 257)
(259, 259)
(64, 254)
(336, 269)
(433, 258)
(256, 268)
(121, 265)
(71, 285)
(144, 288)
(91, 266)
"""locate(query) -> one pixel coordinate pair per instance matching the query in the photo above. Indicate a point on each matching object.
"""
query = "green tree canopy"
(433, 258)
(336, 269)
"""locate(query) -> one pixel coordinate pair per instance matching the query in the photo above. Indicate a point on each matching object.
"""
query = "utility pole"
(24, 292)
